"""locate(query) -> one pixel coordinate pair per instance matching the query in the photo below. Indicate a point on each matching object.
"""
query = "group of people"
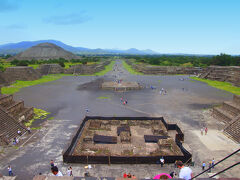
(163, 91)
(210, 165)
(125, 175)
(124, 102)
(56, 172)
(204, 129)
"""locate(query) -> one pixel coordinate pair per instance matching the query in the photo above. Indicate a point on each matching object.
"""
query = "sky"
(165, 26)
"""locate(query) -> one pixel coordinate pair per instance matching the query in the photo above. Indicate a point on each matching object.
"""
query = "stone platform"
(123, 86)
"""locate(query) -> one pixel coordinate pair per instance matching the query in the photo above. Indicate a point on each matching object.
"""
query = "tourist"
(202, 131)
(210, 165)
(172, 174)
(121, 99)
(10, 173)
(203, 165)
(126, 101)
(213, 162)
(55, 171)
(17, 140)
(69, 171)
(125, 175)
(29, 130)
(87, 110)
(129, 175)
(134, 177)
(162, 161)
(19, 132)
(185, 172)
(206, 130)
(51, 163)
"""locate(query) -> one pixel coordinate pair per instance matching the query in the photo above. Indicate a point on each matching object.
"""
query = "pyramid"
(44, 51)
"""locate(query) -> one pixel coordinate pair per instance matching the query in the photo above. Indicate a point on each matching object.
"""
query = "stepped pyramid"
(44, 51)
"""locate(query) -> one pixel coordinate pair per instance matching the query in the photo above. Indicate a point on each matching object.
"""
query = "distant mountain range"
(15, 48)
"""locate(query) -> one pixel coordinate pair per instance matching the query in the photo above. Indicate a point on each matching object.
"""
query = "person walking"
(185, 172)
(202, 131)
(10, 173)
(210, 165)
(213, 163)
(51, 163)
(69, 171)
(206, 130)
(203, 165)
(162, 161)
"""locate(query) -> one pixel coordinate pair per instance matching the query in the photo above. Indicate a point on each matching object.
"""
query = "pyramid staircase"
(229, 113)
(15, 109)
(9, 128)
(12, 115)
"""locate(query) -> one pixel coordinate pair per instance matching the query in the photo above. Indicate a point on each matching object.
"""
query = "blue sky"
(166, 26)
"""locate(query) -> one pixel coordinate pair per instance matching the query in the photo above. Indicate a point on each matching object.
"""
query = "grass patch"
(51, 118)
(103, 97)
(130, 69)
(159, 81)
(69, 64)
(15, 87)
(38, 114)
(226, 86)
(36, 128)
(108, 68)
(35, 66)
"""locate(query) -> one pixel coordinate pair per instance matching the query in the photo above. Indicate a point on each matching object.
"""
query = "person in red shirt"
(125, 175)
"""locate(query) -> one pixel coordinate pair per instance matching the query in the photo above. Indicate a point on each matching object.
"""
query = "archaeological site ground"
(89, 126)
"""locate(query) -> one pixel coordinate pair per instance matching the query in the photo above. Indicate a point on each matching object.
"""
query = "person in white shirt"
(185, 172)
(55, 171)
(162, 161)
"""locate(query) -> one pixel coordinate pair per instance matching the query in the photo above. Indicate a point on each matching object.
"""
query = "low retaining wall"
(46, 69)
(69, 158)
(148, 69)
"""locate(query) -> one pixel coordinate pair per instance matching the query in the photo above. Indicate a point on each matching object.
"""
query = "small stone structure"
(124, 141)
(23, 73)
(123, 86)
(229, 113)
(222, 73)
(46, 69)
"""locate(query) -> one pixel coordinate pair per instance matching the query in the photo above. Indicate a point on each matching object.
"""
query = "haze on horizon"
(165, 26)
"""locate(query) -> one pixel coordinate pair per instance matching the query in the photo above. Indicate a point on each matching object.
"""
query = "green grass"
(69, 64)
(36, 128)
(38, 114)
(130, 69)
(108, 68)
(51, 118)
(226, 86)
(35, 66)
(103, 97)
(15, 87)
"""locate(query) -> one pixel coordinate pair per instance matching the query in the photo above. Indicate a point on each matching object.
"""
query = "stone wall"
(24, 73)
(148, 69)
(86, 69)
(222, 73)
(46, 69)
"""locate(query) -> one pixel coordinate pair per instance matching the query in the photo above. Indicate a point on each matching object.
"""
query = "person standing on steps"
(203, 165)
(213, 162)
(162, 161)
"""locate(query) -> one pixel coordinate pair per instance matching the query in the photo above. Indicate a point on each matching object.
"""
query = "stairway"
(229, 113)
(15, 109)
(9, 128)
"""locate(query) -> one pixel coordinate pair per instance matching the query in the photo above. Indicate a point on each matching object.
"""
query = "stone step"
(9, 127)
(222, 115)
(232, 108)
(233, 129)
(236, 99)
(5, 99)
